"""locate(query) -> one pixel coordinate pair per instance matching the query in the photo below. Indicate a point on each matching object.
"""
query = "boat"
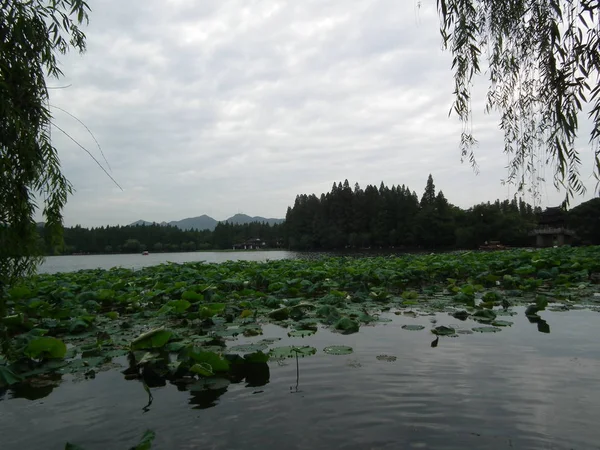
(145, 253)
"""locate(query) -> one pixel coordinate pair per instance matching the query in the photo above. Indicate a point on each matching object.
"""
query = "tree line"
(396, 217)
(160, 238)
(348, 218)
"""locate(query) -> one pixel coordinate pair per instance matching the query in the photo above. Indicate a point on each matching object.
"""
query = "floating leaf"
(443, 331)
(461, 315)
(8, 377)
(486, 329)
(246, 313)
(216, 362)
(387, 358)
(256, 357)
(156, 338)
(209, 384)
(203, 369)
(280, 314)
(291, 352)
(249, 348)
(347, 325)
(502, 323)
(301, 333)
(464, 332)
(338, 350)
(46, 347)
(412, 327)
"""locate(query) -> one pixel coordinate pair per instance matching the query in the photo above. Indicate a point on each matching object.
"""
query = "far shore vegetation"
(348, 219)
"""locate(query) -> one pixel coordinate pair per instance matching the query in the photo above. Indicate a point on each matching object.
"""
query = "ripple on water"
(515, 389)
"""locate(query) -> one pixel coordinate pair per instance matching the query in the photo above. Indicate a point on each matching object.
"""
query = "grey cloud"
(219, 107)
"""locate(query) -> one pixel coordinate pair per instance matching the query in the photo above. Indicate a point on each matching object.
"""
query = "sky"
(236, 106)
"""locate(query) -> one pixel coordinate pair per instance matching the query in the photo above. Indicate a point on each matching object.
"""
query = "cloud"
(235, 106)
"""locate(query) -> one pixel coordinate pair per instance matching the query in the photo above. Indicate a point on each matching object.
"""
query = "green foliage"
(347, 325)
(338, 350)
(413, 327)
(543, 66)
(8, 377)
(33, 34)
(105, 314)
(292, 352)
(394, 217)
(164, 238)
(156, 338)
(212, 360)
(443, 330)
(46, 347)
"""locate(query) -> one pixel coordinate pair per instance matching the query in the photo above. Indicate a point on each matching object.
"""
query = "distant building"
(250, 244)
(552, 229)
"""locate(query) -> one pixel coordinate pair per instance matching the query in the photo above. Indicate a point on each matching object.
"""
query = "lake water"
(516, 389)
(70, 263)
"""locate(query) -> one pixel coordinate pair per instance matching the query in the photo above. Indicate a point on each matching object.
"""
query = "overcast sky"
(228, 106)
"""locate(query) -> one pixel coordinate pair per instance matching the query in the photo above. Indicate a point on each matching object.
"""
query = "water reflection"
(36, 388)
(542, 325)
(511, 389)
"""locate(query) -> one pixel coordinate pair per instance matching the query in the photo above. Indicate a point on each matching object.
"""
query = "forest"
(396, 217)
(348, 218)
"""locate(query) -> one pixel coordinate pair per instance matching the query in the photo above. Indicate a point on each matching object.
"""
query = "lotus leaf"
(214, 360)
(256, 357)
(461, 315)
(212, 384)
(443, 331)
(291, 352)
(156, 338)
(347, 325)
(280, 314)
(8, 377)
(46, 347)
(249, 348)
(412, 327)
(486, 329)
(301, 333)
(338, 350)
(203, 369)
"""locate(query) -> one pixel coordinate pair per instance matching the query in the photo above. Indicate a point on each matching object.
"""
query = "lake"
(70, 263)
(517, 389)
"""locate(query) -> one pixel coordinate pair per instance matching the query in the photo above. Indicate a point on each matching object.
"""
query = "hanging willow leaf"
(543, 66)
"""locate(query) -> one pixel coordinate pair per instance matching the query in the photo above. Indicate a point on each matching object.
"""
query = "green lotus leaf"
(301, 333)
(214, 360)
(209, 384)
(338, 350)
(203, 369)
(249, 348)
(347, 325)
(156, 338)
(291, 352)
(443, 330)
(46, 347)
(412, 327)
(257, 357)
(487, 329)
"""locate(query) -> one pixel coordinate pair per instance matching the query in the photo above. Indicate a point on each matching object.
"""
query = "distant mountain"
(205, 222)
(140, 222)
(243, 219)
(202, 222)
(145, 222)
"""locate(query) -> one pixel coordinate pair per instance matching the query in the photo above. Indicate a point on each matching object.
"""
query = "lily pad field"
(202, 328)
